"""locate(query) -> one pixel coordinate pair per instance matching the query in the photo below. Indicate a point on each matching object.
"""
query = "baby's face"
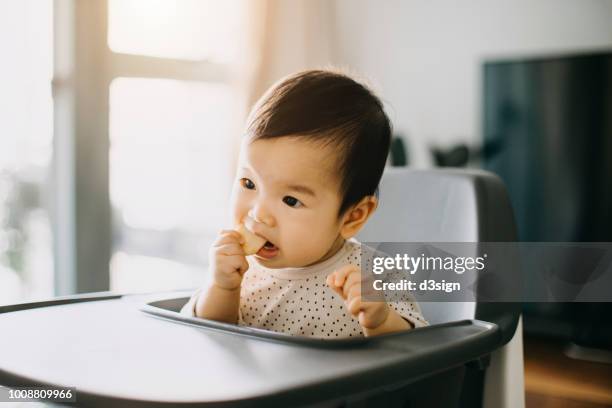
(287, 192)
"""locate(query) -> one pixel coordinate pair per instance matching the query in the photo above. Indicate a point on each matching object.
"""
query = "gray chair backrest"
(441, 206)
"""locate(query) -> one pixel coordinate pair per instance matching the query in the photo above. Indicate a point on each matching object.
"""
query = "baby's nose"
(261, 215)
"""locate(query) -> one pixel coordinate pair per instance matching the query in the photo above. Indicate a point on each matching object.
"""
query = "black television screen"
(548, 135)
(550, 120)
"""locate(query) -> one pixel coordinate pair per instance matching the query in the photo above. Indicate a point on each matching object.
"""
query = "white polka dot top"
(297, 301)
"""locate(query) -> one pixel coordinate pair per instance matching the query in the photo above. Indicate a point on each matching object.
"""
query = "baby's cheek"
(238, 206)
(300, 244)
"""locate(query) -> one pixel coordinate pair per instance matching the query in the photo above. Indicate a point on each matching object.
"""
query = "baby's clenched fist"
(227, 260)
(346, 282)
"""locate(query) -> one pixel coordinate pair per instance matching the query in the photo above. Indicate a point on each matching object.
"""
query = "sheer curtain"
(291, 36)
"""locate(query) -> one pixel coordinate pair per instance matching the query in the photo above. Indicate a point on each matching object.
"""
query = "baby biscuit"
(252, 242)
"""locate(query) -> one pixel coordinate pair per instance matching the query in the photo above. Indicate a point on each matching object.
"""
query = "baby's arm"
(375, 318)
(221, 301)
(218, 304)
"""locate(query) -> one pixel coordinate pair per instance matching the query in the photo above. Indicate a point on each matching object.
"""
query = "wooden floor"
(553, 380)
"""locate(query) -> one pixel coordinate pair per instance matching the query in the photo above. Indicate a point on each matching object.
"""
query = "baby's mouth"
(269, 245)
(269, 250)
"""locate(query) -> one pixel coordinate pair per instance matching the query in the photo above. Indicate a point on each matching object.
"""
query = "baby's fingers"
(354, 305)
(339, 279)
(341, 274)
(330, 281)
(236, 263)
(352, 282)
(230, 249)
(228, 237)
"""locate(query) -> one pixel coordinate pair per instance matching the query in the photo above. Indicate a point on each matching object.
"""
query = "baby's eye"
(248, 184)
(292, 202)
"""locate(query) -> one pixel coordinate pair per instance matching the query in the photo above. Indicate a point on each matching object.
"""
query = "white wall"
(425, 55)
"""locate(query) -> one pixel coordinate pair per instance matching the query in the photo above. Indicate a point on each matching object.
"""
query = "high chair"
(136, 350)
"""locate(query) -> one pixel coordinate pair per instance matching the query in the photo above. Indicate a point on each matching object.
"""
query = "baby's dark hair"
(335, 110)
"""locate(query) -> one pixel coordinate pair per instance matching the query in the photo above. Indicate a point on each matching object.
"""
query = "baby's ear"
(357, 215)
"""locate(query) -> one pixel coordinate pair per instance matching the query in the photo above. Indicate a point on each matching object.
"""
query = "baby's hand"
(346, 281)
(227, 260)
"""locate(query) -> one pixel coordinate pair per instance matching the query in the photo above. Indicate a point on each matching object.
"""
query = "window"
(199, 30)
(119, 124)
(170, 173)
(174, 120)
(26, 149)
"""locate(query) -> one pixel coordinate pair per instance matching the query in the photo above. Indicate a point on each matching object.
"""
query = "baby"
(306, 183)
